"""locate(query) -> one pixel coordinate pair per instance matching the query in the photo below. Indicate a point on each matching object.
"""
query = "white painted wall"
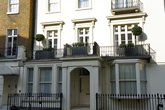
(153, 27)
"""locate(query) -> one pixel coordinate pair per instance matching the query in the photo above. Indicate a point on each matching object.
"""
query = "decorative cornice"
(126, 16)
(52, 23)
(84, 20)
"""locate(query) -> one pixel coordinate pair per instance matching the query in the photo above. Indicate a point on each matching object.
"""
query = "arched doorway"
(80, 88)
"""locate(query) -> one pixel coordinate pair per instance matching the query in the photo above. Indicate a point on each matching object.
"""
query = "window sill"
(12, 13)
(53, 12)
(80, 9)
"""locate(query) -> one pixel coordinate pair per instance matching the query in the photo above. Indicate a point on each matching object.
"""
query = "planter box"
(137, 50)
(83, 50)
(121, 51)
(44, 54)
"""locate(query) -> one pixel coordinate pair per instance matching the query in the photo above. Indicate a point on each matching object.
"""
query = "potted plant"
(39, 38)
(130, 49)
(46, 53)
(121, 49)
(136, 31)
(67, 49)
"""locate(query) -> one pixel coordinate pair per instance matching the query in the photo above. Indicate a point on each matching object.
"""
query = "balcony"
(126, 7)
(13, 53)
(48, 54)
(68, 51)
(142, 51)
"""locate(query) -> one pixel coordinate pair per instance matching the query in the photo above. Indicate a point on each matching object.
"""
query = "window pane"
(49, 33)
(30, 74)
(83, 3)
(30, 80)
(127, 71)
(129, 27)
(45, 74)
(113, 87)
(30, 88)
(55, 33)
(128, 87)
(59, 74)
(9, 32)
(122, 28)
(80, 31)
(113, 73)
(116, 28)
(143, 86)
(86, 30)
(45, 88)
(50, 43)
(13, 1)
(143, 72)
(81, 39)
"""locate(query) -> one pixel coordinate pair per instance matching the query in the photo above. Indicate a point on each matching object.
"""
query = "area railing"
(130, 102)
(34, 101)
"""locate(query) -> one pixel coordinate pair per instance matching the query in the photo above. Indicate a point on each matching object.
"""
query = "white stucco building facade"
(103, 68)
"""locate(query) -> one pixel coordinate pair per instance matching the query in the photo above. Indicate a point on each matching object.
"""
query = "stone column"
(94, 86)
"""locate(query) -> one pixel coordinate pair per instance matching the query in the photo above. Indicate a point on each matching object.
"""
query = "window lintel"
(75, 21)
(52, 23)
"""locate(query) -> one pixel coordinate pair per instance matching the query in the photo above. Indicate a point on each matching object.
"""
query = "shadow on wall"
(21, 41)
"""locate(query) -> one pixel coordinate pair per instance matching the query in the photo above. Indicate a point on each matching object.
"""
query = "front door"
(10, 87)
(84, 90)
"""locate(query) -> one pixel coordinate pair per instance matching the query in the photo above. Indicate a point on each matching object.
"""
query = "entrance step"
(3, 107)
(81, 108)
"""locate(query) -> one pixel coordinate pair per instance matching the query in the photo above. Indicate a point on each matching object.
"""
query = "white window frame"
(56, 2)
(85, 7)
(54, 25)
(31, 82)
(125, 33)
(12, 4)
(12, 36)
(59, 79)
(52, 38)
(137, 63)
(84, 23)
(40, 82)
(137, 18)
(83, 35)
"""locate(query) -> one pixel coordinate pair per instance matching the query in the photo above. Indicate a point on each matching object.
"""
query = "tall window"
(52, 36)
(45, 80)
(83, 35)
(53, 5)
(30, 80)
(83, 3)
(123, 34)
(59, 71)
(13, 6)
(124, 3)
(128, 78)
(11, 42)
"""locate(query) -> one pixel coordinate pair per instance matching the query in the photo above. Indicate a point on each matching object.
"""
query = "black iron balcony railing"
(68, 50)
(138, 51)
(34, 101)
(130, 102)
(134, 5)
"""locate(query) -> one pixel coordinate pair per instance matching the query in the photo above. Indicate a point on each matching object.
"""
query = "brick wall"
(21, 21)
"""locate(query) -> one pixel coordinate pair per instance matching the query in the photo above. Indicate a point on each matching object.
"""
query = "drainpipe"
(34, 7)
